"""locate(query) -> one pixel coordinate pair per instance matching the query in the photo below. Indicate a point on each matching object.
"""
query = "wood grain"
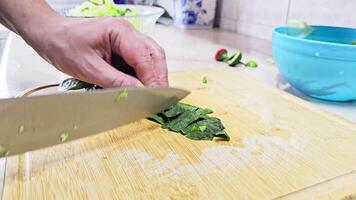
(279, 145)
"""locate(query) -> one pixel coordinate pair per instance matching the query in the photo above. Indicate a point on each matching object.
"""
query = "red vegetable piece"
(221, 55)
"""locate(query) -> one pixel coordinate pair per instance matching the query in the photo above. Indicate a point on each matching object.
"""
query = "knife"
(31, 123)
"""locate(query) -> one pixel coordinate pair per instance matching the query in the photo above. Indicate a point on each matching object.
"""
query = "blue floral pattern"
(192, 12)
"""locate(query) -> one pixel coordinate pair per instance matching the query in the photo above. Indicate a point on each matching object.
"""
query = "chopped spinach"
(204, 111)
(63, 136)
(75, 84)
(178, 109)
(205, 79)
(191, 121)
(3, 151)
(157, 118)
(182, 121)
(121, 95)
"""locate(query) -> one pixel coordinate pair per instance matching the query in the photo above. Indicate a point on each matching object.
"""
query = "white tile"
(229, 9)
(324, 12)
(255, 30)
(262, 12)
(228, 24)
(257, 18)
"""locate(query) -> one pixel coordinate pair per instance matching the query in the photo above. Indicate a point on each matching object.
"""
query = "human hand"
(83, 47)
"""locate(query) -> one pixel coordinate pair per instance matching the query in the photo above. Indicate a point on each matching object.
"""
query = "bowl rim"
(158, 11)
(275, 32)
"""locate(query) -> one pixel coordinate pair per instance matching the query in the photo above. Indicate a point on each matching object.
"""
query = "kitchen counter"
(22, 68)
(186, 50)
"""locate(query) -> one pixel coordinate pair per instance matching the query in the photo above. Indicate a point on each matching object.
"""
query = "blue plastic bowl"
(321, 65)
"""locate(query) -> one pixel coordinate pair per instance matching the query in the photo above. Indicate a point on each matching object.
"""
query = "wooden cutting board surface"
(279, 145)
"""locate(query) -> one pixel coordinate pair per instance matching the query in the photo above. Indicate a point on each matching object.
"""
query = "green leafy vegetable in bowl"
(99, 8)
(299, 29)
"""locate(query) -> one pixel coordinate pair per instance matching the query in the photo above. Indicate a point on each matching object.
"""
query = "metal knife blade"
(31, 123)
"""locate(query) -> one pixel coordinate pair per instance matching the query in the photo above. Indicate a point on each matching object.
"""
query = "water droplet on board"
(63, 136)
(317, 54)
(21, 129)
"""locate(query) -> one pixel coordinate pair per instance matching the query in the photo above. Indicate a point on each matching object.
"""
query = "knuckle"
(123, 24)
(117, 82)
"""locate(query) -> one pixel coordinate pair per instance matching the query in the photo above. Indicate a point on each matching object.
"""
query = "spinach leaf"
(157, 118)
(204, 111)
(178, 109)
(184, 120)
(75, 84)
(191, 121)
(199, 135)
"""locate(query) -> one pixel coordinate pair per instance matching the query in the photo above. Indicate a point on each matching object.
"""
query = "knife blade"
(31, 123)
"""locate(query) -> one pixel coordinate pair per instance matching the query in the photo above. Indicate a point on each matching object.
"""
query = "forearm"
(25, 16)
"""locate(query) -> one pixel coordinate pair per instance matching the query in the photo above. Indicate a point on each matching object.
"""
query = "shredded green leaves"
(205, 80)
(99, 8)
(191, 121)
(121, 95)
(63, 136)
(3, 151)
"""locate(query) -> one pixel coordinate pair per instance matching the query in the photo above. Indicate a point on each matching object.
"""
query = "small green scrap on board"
(63, 136)
(205, 79)
(121, 95)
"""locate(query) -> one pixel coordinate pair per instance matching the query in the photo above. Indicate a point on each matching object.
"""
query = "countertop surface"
(21, 68)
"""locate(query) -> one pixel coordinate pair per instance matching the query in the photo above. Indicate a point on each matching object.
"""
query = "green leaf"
(251, 64)
(121, 95)
(74, 84)
(222, 135)
(183, 121)
(204, 111)
(178, 109)
(63, 136)
(99, 8)
(157, 118)
(3, 151)
(198, 135)
(205, 79)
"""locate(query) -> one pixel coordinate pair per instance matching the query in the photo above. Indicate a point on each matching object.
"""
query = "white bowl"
(145, 20)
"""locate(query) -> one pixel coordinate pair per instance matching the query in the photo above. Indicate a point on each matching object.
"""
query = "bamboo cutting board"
(279, 145)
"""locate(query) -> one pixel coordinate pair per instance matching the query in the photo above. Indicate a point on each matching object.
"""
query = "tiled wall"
(258, 17)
